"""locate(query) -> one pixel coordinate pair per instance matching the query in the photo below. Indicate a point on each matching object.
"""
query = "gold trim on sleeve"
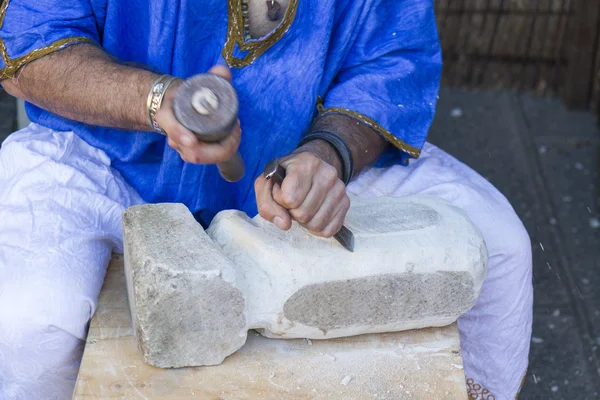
(12, 65)
(522, 384)
(235, 35)
(405, 147)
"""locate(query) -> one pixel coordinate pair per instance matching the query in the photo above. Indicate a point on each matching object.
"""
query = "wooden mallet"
(207, 105)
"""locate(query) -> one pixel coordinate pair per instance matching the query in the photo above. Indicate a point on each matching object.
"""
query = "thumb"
(222, 71)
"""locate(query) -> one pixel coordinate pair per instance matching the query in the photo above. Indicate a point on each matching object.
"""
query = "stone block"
(186, 305)
(418, 262)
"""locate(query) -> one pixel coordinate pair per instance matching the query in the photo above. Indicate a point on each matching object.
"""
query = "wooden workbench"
(420, 364)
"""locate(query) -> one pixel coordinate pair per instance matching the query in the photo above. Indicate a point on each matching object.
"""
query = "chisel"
(276, 173)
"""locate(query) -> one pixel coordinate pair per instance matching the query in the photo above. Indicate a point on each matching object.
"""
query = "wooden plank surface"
(419, 364)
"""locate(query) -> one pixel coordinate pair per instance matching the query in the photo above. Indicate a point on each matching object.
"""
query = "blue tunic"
(378, 61)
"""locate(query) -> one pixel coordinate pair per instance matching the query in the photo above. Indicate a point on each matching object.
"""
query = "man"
(104, 137)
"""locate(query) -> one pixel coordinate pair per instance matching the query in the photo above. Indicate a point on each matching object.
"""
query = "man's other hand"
(311, 193)
(184, 141)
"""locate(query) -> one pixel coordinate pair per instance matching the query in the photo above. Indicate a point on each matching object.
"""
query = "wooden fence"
(548, 47)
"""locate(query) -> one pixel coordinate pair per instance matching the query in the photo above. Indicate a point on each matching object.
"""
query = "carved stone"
(418, 262)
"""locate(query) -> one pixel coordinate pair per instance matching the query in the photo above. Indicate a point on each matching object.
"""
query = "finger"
(175, 131)
(267, 207)
(211, 153)
(173, 144)
(179, 138)
(323, 181)
(328, 209)
(175, 147)
(298, 181)
(230, 144)
(222, 71)
(191, 149)
(218, 152)
(338, 219)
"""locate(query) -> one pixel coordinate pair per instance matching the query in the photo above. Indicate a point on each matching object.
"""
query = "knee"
(35, 307)
(507, 241)
(509, 246)
(515, 241)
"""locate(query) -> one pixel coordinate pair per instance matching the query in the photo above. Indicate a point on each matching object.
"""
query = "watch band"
(341, 148)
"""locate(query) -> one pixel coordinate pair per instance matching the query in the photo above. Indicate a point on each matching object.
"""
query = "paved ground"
(546, 161)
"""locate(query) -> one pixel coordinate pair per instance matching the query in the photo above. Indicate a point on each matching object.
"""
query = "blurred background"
(519, 104)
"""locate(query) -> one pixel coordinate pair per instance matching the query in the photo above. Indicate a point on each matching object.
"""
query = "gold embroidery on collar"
(12, 65)
(476, 392)
(3, 8)
(405, 147)
(235, 35)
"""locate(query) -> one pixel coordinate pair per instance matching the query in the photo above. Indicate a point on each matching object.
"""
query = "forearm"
(85, 84)
(365, 144)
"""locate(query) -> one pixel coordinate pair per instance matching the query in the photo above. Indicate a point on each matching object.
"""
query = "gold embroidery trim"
(477, 392)
(3, 8)
(522, 384)
(405, 147)
(12, 65)
(235, 35)
(320, 104)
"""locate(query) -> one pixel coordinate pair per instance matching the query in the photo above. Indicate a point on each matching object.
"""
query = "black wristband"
(341, 148)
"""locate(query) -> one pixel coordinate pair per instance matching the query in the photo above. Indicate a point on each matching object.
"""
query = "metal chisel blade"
(275, 172)
(346, 238)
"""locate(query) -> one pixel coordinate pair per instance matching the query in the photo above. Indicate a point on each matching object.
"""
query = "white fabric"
(60, 207)
(60, 218)
(495, 334)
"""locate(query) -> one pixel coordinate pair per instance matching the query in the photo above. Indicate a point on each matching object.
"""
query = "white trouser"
(60, 219)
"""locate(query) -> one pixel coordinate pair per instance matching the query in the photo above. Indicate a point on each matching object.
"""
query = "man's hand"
(312, 193)
(184, 141)
(115, 96)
